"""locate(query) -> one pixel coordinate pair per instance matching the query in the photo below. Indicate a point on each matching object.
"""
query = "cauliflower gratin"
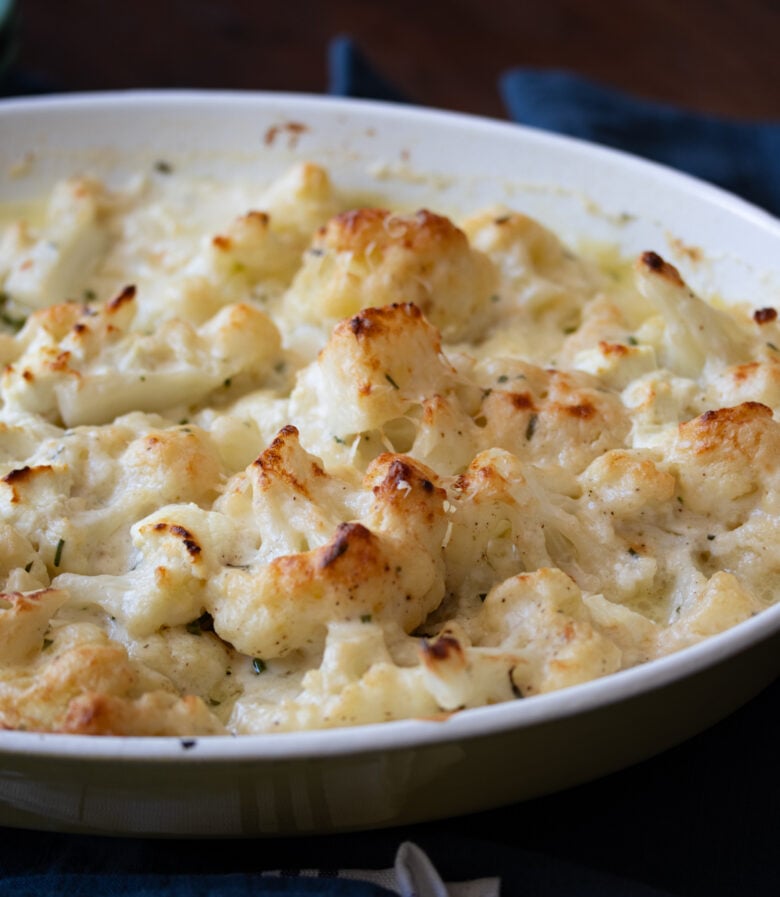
(270, 462)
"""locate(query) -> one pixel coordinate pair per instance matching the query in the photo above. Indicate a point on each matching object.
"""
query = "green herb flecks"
(14, 322)
(258, 665)
(391, 381)
(531, 427)
(204, 623)
(58, 552)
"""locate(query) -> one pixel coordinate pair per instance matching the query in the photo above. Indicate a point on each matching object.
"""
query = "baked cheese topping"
(269, 462)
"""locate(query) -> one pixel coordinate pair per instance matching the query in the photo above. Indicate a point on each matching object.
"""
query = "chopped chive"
(58, 552)
(365, 618)
(28, 567)
(391, 381)
(531, 427)
(258, 665)
(15, 324)
(632, 341)
(503, 378)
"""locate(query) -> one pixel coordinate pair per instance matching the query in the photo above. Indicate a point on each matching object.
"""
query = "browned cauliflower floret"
(558, 420)
(373, 257)
(374, 368)
(87, 685)
(366, 569)
(726, 460)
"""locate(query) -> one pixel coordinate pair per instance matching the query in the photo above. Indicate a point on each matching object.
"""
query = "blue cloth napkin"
(743, 157)
(698, 821)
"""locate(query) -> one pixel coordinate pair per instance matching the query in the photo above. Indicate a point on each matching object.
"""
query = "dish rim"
(463, 725)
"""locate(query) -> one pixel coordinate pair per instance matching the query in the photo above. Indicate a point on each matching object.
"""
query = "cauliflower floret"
(42, 269)
(696, 336)
(287, 499)
(374, 367)
(375, 674)
(177, 550)
(537, 272)
(84, 683)
(24, 619)
(542, 615)
(727, 459)
(251, 249)
(79, 493)
(373, 257)
(558, 420)
(367, 568)
(497, 524)
(721, 604)
(616, 364)
(627, 482)
(99, 369)
(21, 568)
(301, 200)
(754, 381)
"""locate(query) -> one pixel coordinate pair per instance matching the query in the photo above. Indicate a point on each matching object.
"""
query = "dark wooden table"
(721, 56)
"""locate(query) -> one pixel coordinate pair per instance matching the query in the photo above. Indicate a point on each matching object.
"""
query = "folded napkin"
(412, 875)
(743, 157)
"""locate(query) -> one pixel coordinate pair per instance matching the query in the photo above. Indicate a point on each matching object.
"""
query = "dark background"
(720, 56)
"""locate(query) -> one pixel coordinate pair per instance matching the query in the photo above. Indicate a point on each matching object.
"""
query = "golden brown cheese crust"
(270, 462)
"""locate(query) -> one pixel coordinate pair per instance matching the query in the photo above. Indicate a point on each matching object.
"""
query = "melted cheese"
(269, 462)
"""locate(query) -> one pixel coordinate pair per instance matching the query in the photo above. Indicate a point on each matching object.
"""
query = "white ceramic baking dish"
(413, 770)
